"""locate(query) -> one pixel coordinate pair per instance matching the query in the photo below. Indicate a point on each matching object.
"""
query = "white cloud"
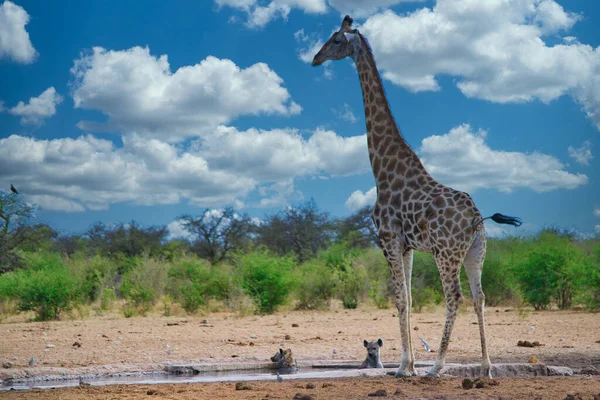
(461, 159)
(496, 49)
(38, 108)
(358, 199)
(14, 39)
(309, 46)
(139, 93)
(597, 212)
(345, 113)
(223, 168)
(177, 231)
(583, 154)
(364, 8)
(259, 15)
(597, 229)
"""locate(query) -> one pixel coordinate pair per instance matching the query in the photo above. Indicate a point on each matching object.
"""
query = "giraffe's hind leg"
(449, 268)
(473, 267)
(393, 251)
(407, 264)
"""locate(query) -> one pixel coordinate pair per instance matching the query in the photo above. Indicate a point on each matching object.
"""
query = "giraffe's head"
(338, 46)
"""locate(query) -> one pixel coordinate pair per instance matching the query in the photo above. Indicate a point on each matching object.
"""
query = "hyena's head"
(373, 348)
(283, 357)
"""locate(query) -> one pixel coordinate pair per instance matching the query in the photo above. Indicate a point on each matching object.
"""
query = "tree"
(302, 230)
(129, 240)
(217, 233)
(358, 230)
(15, 213)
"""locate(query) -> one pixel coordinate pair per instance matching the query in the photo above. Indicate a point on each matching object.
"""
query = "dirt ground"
(110, 342)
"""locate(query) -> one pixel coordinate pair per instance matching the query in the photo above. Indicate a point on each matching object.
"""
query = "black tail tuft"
(505, 219)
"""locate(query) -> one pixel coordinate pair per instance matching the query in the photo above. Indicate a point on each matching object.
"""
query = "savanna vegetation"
(299, 257)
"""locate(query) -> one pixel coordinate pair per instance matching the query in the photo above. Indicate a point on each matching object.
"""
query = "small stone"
(533, 360)
(467, 384)
(7, 364)
(480, 383)
(288, 337)
(575, 396)
(416, 328)
(253, 336)
(378, 393)
(302, 396)
(327, 385)
(150, 392)
(76, 345)
(398, 392)
(310, 385)
(294, 325)
(242, 386)
(50, 346)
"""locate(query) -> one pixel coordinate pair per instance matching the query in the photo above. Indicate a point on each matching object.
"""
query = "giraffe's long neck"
(384, 139)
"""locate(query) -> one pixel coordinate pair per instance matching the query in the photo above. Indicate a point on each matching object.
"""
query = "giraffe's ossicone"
(413, 211)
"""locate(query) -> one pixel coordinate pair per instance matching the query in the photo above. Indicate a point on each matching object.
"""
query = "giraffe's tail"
(505, 219)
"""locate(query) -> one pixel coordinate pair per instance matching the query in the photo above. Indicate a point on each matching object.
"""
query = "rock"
(591, 370)
(378, 393)
(575, 396)
(480, 383)
(294, 325)
(7, 364)
(253, 336)
(310, 385)
(302, 396)
(533, 359)
(467, 384)
(50, 346)
(242, 386)
(398, 392)
(76, 345)
(288, 337)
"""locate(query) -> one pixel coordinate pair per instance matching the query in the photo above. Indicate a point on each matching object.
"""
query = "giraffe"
(413, 211)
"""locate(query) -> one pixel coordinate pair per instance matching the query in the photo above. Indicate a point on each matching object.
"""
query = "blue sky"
(112, 111)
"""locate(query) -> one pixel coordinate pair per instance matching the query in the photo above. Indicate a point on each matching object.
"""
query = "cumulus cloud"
(38, 108)
(14, 39)
(177, 231)
(223, 168)
(597, 212)
(344, 113)
(461, 159)
(364, 8)
(495, 49)
(309, 45)
(260, 15)
(358, 199)
(139, 93)
(582, 155)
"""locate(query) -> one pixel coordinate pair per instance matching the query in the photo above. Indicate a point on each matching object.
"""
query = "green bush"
(143, 285)
(551, 271)
(267, 278)
(378, 276)
(426, 283)
(45, 287)
(315, 285)
(97, 274)
(189, 281)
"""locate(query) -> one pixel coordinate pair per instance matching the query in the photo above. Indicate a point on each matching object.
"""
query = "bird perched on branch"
(12, 189)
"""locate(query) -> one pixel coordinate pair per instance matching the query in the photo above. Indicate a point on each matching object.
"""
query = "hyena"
(373, 359)
(285, 360)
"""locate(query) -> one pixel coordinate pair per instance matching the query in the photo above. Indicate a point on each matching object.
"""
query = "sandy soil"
(568, 338)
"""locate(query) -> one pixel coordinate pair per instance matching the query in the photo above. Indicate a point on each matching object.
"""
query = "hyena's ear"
(380, 342)
(281, 351)
(365, 343)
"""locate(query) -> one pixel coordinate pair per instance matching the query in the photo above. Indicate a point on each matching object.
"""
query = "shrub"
(315, 285)
(143, 285)
(45, 287)
(267, 278)
(426, 283)
(552, 270)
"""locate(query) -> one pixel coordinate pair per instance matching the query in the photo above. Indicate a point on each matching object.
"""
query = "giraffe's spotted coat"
(413, 211)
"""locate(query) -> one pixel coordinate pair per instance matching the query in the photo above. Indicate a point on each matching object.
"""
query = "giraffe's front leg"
(393, 253)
